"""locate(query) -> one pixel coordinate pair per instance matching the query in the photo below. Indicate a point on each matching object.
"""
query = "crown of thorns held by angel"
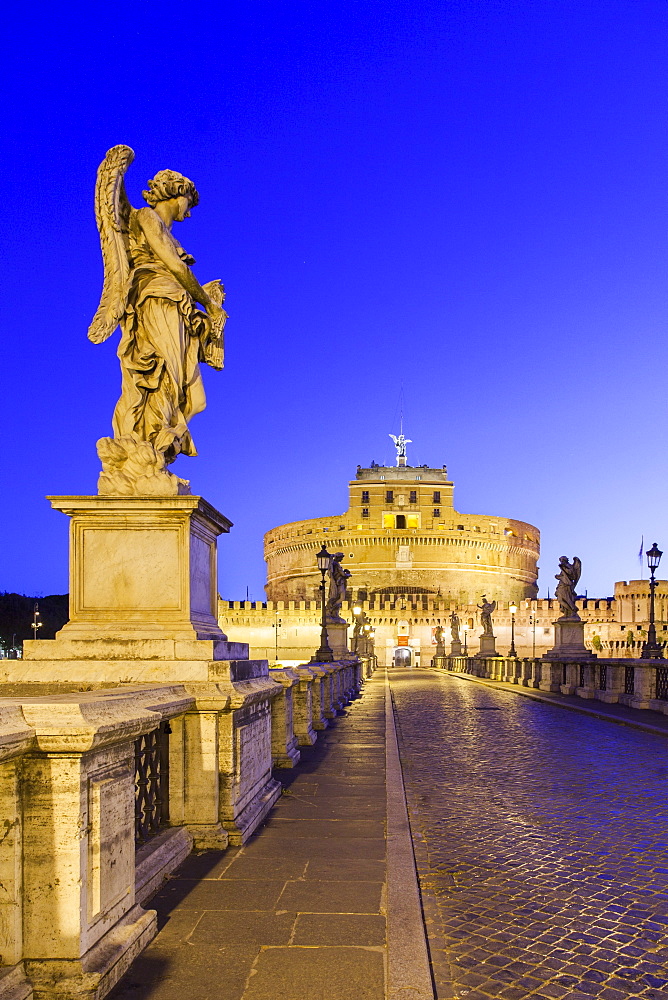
(151, 292)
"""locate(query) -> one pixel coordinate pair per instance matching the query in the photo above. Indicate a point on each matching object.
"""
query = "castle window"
(437, 496)
(437, 511)
(365, 511)
(413, 497)
(389, 496)
(365, 496)
(401, 521)
(460, 527)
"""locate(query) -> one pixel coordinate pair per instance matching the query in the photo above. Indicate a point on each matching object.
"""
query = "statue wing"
(112, 213)
(577, 571)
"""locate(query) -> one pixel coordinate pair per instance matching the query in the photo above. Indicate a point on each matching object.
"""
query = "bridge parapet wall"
(639, 684)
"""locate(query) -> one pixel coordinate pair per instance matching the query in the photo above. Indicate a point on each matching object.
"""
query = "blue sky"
(468, 199)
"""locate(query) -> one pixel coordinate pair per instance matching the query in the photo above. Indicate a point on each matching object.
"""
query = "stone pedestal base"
(142, 567)
(487, 646)
(337, 637)
(455, 648)
(569, 642)
(92, 976)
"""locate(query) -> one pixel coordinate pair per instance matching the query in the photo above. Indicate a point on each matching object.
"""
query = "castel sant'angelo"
(401, 534)
(413, 559)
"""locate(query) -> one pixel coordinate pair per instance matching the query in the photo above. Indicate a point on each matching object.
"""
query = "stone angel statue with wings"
(151, 292)
(568, 577)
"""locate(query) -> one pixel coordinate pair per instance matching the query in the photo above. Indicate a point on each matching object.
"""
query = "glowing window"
(412, 521)
(388, 520)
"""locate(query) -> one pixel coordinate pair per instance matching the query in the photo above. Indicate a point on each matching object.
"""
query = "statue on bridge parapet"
(454, 626)
(486, 610)
(567, 577)
(151, 292)
(569, 641)
(338, 586)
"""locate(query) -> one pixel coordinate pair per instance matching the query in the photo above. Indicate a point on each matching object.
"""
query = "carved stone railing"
(640, 684)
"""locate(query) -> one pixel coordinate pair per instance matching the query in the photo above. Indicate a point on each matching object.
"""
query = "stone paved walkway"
(541, 841)
(299, 912)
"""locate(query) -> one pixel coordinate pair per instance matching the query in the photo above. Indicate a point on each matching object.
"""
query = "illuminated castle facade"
(401, 535)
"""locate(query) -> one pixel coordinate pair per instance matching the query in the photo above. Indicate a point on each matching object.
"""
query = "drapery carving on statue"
(338, 585)
(151, 292)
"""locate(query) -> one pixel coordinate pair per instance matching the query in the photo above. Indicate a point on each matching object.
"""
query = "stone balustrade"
(106, 791)
(641, 684)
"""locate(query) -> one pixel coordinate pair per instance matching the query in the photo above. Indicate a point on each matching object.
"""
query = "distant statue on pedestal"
(338, 585)
(567, 577)
(358, 635)
(454, 626)
(150, 290)
(400, 444)
(486, 609)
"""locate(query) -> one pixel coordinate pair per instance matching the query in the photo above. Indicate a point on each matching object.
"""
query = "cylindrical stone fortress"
(402, 534)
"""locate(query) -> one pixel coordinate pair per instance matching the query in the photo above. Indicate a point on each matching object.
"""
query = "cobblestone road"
(541, 842)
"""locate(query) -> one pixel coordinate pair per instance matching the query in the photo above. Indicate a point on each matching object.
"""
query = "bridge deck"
(299, 911)
(541, 840)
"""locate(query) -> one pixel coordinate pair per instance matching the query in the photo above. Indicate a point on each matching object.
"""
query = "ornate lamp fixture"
(324, 654)
(652, 650)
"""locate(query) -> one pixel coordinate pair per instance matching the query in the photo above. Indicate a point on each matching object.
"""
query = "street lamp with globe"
(324, 654)
(651, 649)
(513, 611)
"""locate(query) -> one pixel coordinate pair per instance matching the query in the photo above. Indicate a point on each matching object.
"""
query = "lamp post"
(465, 629)
(513, 611)
(36, 623)
(324, 654)
(532, 619)
(651, 650)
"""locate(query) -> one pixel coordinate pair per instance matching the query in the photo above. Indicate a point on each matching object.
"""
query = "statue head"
(170, 184)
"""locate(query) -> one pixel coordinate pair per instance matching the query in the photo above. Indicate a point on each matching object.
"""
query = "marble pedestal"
(456, 647)
(487, 646)
(142, 567)
(569, 642)
(337, 637)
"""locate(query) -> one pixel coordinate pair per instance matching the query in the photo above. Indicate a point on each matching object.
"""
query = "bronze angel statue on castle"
(151, 292)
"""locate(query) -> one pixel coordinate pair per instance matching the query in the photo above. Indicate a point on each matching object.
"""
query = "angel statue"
(486, 609)
(150, 291)
(454, 626)
(400, 445)
(568, 576)
(338, 585)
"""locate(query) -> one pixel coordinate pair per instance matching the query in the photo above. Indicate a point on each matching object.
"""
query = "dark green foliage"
(16, 616)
